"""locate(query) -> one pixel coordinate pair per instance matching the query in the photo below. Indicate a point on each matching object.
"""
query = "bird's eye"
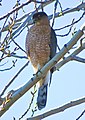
(39, 16)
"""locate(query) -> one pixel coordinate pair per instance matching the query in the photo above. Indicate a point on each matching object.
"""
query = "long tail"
(42, 92)
(42, 96)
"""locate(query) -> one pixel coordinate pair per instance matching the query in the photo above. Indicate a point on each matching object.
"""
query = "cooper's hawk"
(41, 47)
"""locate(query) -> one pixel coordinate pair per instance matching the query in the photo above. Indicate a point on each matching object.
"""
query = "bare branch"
(5, 22)
(68, 31)
(66, 60)
(29, 21)
(19, 46)
(74, 22)
(72, 57)
(12, 55)
(22, 90)
(69, 10)
(30, 104)
(13, 65)
(59, 109)
(56, 3)
(11, 81)
(78, 59)
(16, 9)
(81, 115)
(4, 63)
(17, 56)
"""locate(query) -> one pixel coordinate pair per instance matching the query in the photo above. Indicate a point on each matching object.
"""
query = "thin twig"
(56, 3)
(78, 59)
(5, 22)
(4, 63)
(28, 15)
(2, 58)
(60, 6)
(21, 57)
(11, 81)
(58, 110)
(81, 115)
(16, 9)
(30, 104)
(9, 67)
(18, 46)
(69, 10)
(72, 23)
(68, 31)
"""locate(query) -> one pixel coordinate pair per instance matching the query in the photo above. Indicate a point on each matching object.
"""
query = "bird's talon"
(34, 74)
(8, 101)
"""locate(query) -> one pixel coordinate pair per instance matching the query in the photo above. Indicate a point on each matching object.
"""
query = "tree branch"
(16, 9)
(12, 11)
(21, 91)
(81, 115)
(27, 16)
(58, 110)
(11, 81)
(78, 59)
(73, 22)
(29, 21)
(72, 57)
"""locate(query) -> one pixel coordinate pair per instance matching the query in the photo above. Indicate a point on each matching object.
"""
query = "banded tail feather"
(42, 96)
(42, 92)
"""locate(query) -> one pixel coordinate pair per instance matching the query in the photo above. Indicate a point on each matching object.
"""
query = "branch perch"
(58, 110)
(22, 90)
(72, 57)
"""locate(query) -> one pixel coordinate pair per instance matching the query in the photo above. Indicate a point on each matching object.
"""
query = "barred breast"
(38, 40)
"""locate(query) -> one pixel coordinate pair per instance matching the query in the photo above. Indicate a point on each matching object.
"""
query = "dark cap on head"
(39, 15)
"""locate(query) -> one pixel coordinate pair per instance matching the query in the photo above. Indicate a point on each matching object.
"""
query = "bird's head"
(40, 18)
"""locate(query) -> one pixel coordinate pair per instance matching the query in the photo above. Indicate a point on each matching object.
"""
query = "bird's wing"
(27, 44)
(53, 49)
(53, 44)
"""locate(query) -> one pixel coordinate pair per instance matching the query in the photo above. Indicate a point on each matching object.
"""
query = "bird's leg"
(66, 48)
(39, 70)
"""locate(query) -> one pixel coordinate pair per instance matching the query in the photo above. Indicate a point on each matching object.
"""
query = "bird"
(41, 47)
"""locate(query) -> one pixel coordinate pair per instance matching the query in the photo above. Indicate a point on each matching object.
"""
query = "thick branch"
(58, 110)
(21, 91)
(72, 57)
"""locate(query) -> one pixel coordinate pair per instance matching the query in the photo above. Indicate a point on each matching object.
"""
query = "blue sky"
(67, 84)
